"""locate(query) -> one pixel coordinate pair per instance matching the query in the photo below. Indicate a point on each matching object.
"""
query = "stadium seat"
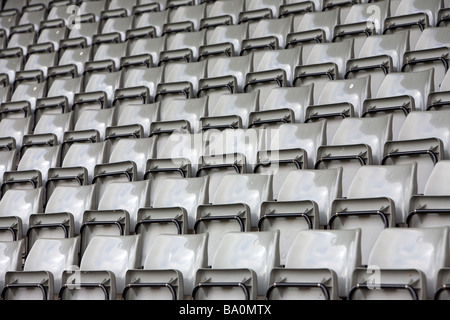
(356, 142)
(102, 274)
(283, 105)
(223, 12)
(42, 270)
(154, 20)
(182, 46)
(379, 55)
(399, 94)
(10, 258)
(224, 40)
(431, 208)
(171, 263)
(185, 18)
(300, 205)
(319, 265)
(235, 206)
(403, 264)
(173, 210)
(424, 139)
(241, 267)
(138, 84)
(373, 208)
(338, 100)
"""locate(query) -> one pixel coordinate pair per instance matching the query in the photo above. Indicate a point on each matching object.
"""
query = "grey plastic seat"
(182, 46)
(430, 209)
(179, 157)
(313, 27)
(173, 210)
(115, 24)
(231, 110)
(286, 104)
(16, 206)
(303, 202)
(60, 96)
(171, 263)
(440, 98)
(431, 50)
(27, 92)
(223, 12)
(154, 20)
(321, 262)
(230, 211)
(132, 120)
(243, 262)
(415, 16)
(53, 124)
(139, 84)
(399, 94)
(185, 18)
(373, 208)
(326, 61)
(33, 15)
(82, 34)
(378, 56)
(10, 258)
(181, 79)
(356, 142)
(224, 40)
(117, 211)
(224, 75)
(363, 20)
(91, 119)
(21, 36)
(141, 49)
(63, 214)
(107, 55)
(338, 100)
(424, 139)
(272, 68)
(9, 16)
(268, 34)
(406, 262)
(11, 61)
(126, 162)
(42, 270)
(259, 9)
(39, 60)
(71, 62)
(16, 128)
(52, 32)
(8, 156)
(102, 269)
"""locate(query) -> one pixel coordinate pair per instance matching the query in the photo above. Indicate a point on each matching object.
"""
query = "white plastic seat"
(102, 269)
(303, 202)
(406, 262)
(172, 263)
(378, 198)
(235, 206)
(399, 94)
(424, 139)
(325, 61)
(117, 211)
(185, 18)
(431, 208)
(415, 16)
(356, 142)
(320, 259)
(431, 50)
(10, 258)
(287, 104)
(173, 210)
(338, 100)
(42, 270)
(241, 267)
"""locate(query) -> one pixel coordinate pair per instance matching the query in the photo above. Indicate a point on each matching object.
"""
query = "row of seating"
(321, 264)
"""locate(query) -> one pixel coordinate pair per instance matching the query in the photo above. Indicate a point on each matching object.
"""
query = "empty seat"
(182, 46)
(319, 265)
(241, 267)
(431, 50)
(431, 208)
(356, 142)
(406, 262)
(223, 13)
(102, 269)
(303, 202)
(235, 206)
(172, 263)
(414, 16)
(424, 139)
(42, 270)
(117, 211)
(338, 100)
(399, 94)
(379, 55)
(285, 104)
(139, 85)
(378, 198)
(154, 20)
(185, 18)
(144, 51)
(326, 61)
(259, 9)
(173, 210)
(224, 40)
(10, 258)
